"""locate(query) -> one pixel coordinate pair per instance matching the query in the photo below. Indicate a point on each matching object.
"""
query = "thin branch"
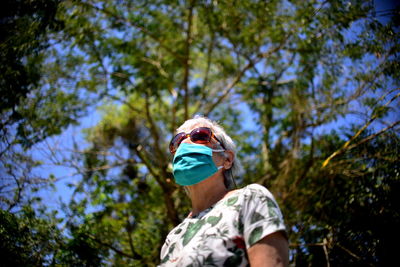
(306, 169)
(79, 170)
(100, 59)
(17, 195)
(123, 101)
(154, 131)
(104, 167)
(156, 64)
(360, 90)
(122, 76)
(9, 144)
(209, 56)
(372, 136)
(307, 245)
(166, 187)
(135, 25)
(251, 63)
(141, 154)
(129, 228)
(346, 145)
(131, 243)
(326, 252)
(187, 62)
(136, 256)
(348, 251)
(174, 95)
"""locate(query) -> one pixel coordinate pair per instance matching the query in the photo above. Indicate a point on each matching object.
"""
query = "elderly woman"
(225, 227)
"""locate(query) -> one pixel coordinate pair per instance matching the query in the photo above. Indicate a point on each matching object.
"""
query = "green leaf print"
(191, 231)
(213, 220)
(178, 231)
(276, 222)
(239, 223)
(255, 217)
(255, 235)
(170, 250)
(271, 203)
(231, 201)
(272, 207)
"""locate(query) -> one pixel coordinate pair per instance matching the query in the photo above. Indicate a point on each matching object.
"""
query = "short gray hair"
(226, 140)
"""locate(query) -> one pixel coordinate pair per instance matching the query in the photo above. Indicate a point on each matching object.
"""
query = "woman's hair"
(219, 132)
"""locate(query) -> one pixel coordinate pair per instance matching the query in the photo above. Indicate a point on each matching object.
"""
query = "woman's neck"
(203, 195)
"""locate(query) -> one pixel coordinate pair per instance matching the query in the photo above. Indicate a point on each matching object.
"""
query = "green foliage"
(81, 249)
(24, 27)
(32, 238)
(31, 109)
(27, 240)
(25, 30)
(352, 205)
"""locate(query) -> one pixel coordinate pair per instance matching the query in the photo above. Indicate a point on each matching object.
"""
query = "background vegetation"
(309, 90)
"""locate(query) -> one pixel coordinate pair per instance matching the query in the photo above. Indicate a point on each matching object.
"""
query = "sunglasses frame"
(173, 147)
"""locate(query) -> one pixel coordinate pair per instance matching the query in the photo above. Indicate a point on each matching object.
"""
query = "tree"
(344, 218)
(298, 68)
(32, 238)
(27, 240)
(24, 28)
(30, 108)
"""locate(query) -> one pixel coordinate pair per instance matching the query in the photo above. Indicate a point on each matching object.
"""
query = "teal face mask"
(193, 163)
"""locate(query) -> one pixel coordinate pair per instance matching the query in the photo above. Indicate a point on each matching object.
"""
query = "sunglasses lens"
(176, 141)
(200, 135)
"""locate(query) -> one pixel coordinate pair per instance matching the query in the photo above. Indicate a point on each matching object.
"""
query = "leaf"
(255, 235)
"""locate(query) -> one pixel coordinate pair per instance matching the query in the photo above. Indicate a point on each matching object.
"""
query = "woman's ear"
(229, 157)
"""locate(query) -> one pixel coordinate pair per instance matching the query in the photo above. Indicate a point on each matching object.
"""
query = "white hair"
(226, 140)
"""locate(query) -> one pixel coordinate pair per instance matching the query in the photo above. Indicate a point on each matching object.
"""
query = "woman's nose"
(187, 140)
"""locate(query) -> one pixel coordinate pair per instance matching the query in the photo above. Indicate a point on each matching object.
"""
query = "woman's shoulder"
(250, 192)
(253, 192)
(255, 189)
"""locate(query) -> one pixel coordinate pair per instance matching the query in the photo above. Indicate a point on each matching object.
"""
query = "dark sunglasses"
(201, 135)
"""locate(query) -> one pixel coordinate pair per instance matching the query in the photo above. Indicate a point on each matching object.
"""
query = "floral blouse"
(221, 234)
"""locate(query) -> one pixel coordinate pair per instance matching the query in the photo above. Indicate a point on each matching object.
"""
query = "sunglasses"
(201, 135)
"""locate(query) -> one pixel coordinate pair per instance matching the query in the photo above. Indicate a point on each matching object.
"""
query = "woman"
(225, 227)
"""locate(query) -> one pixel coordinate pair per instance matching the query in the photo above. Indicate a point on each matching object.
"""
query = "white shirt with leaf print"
(221, 234)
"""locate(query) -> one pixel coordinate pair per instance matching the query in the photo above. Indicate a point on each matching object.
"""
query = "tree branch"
(145, 161)
(123, 101)
(372, 136)
(348, 251)
(345, 147)
(187, 62)
(326, 252)
(135, 25)
(156, 64)
(154, 131)
(166, 187)
(238, 77)
(134, 256)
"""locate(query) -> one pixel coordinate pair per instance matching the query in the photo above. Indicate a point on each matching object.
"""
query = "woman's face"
(213, 144)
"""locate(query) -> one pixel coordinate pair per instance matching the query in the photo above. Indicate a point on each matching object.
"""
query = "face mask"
(193, 163)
